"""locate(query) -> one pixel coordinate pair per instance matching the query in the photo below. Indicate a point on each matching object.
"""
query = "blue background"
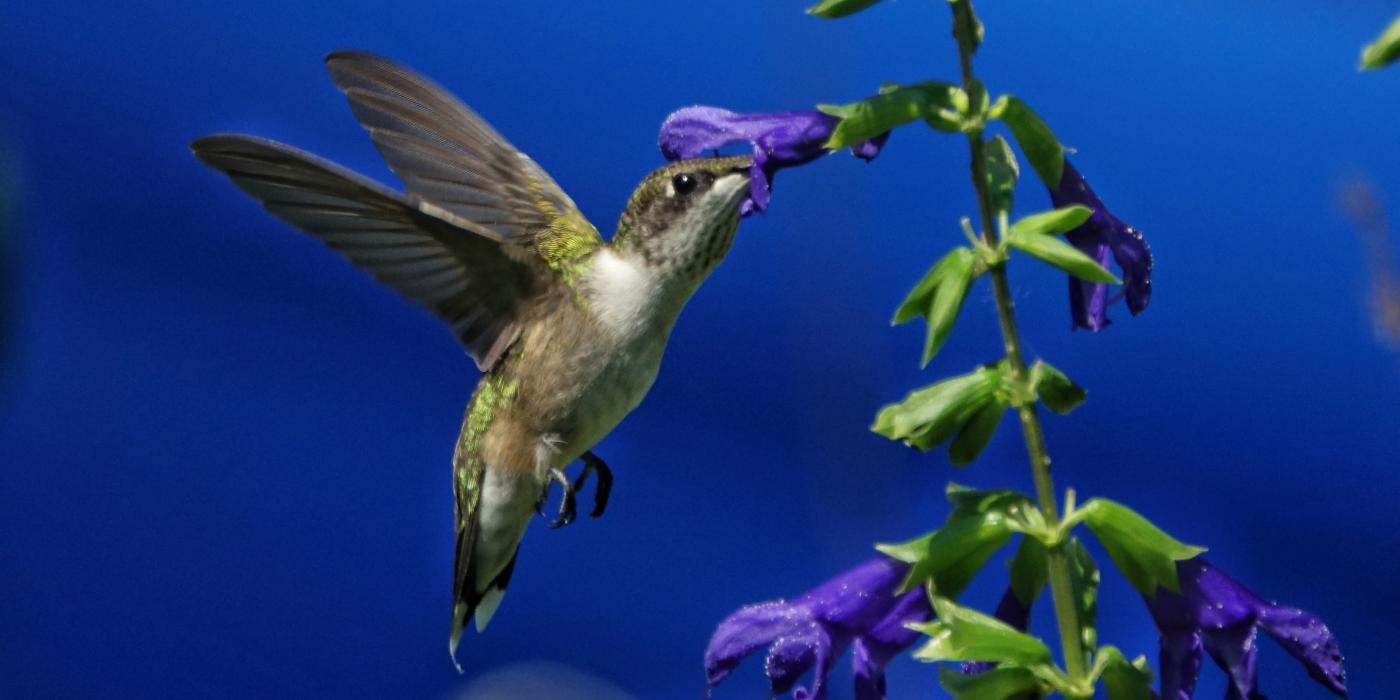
(225, 452)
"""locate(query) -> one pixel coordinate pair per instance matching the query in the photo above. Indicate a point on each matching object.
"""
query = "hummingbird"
(567, 329)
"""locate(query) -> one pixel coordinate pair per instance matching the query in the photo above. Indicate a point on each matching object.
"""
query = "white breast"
(620, 294)
(624, 298)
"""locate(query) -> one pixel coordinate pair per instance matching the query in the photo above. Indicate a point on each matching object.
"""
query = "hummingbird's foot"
(594, 463)
(567, 508)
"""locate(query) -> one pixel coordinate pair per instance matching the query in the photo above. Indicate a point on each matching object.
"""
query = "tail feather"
(473, 603)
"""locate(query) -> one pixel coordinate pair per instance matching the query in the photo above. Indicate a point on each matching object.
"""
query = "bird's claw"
(594, 463)
(568, 508)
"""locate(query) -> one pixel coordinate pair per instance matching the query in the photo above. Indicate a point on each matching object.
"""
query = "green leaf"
(976, 433)
(831, 9)
(1055, 251)
(891, 108)
(1028, 572)
(964, 634)
(975, 530)
(1002, 172)
(953, 554)
(1384, 50)
(1055, 390)
(1037, 141)
(1084, 586)
(1144, 554)
(1020, 511)
(995, 684)
(939, 296)
(962, 548)
(969, 501)
(927, 417)
(1055, 221)
(910, 551)
(917, 302)
(1122, 679)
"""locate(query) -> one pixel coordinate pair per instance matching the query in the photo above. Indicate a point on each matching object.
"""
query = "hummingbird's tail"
(488, 540)
(481, 604)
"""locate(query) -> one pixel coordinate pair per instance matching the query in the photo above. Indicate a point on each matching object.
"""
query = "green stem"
(1066, 614)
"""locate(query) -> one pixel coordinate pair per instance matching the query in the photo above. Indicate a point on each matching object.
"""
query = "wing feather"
(447, 155)
(464, 276)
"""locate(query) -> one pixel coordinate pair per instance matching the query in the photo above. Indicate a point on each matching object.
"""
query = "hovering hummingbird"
(568, 329)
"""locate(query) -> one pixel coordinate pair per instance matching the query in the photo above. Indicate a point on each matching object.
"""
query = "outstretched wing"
(448, 157)
(463, 276)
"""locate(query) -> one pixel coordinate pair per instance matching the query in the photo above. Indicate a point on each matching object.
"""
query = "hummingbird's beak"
(734, 186)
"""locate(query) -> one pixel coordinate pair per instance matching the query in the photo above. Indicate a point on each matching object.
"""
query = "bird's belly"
(618, 387)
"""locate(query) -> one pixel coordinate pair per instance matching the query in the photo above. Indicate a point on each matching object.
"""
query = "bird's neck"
(629, 294)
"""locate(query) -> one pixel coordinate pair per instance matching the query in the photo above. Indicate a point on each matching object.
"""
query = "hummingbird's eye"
(684, 183)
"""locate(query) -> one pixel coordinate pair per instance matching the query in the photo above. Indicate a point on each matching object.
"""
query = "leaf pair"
(1023, 662)
(1143, 553)
(981, 523)
(966, 408)
(1038, 236)
(933, 101)
(939, 296)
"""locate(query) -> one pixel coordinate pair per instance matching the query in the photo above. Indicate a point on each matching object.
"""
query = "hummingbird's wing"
(464, 277)
(449, 157)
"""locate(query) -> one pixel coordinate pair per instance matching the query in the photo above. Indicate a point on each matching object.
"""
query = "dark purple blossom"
(1103, 234)
(1217, 613)
(859, 609)
(780, 140)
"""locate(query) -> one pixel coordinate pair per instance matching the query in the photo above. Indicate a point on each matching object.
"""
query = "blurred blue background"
(225, 451)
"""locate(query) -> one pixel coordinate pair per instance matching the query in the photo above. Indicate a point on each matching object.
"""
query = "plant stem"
(965, 31)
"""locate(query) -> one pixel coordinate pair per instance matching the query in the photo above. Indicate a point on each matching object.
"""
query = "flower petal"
(1088, 301)
(869, 670)
(1219, 612)
(794, 654)
(1216, 600)
(1308, 640)
(859, 599)
(813, 630)
(1234, 651)
(873, 650)
(1180, 663)
(1134, 259)
(747, 630)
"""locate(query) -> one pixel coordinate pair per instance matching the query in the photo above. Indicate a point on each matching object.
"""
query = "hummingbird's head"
(682, 218)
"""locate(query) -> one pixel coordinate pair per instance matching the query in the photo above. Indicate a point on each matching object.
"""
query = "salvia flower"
(1102, 235)
(858, 608)
(779, 139)
(1217, 613)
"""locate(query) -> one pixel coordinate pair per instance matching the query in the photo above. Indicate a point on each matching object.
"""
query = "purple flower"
(1216, 612)
(1101, 235)
(859, 609)
(780, 140)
